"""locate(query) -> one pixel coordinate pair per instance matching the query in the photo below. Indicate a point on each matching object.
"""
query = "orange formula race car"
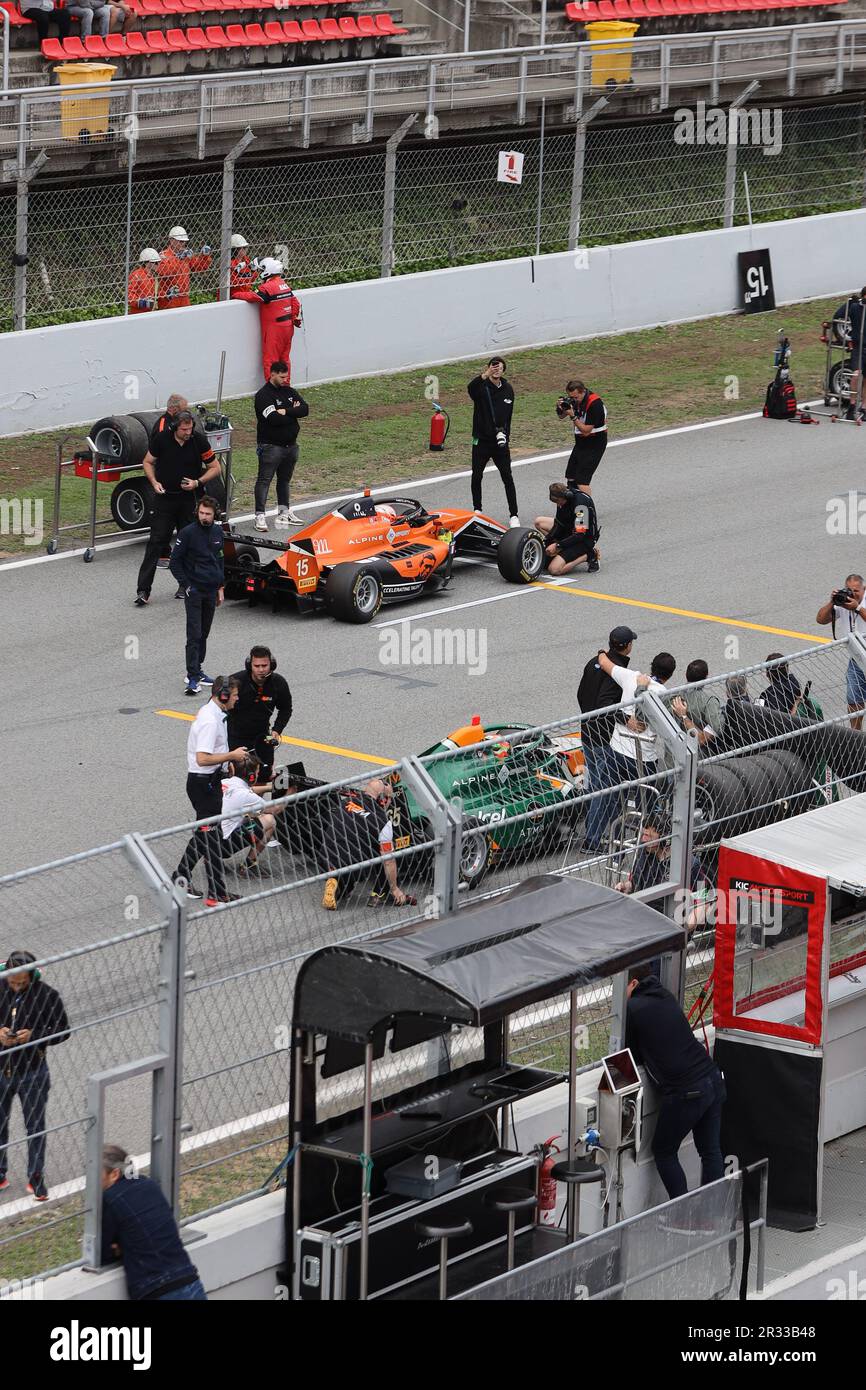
(369, 551)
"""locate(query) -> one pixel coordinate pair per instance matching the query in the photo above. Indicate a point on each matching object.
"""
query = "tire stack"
(121, 440)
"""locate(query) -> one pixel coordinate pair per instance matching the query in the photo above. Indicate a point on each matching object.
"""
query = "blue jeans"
(604, 768)
(855, 684)
(195, 1290)
(698, 1110)
(200, 609)
(31, 1088)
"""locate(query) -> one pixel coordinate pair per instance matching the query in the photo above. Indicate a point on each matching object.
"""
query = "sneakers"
(224, 898)
(142, 599)
(261, 522)
(514, 522)
(293, 518)
(4, 1182)
(256, 869)
(205, 680)
(191, 687)
(593, 565)
(329, 897)
(478, 511)
(38, 1188)
(162, 562)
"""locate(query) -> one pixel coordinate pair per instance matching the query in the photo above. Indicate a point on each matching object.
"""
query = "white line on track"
(520, 592)
(320, 503)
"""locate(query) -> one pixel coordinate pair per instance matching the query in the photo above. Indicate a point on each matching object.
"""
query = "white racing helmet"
(178, 234)
(150, 254)
(238, 242)
(271, 266)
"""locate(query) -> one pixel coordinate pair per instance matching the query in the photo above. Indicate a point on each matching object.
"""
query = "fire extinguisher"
(440, 423)
(546, 1208)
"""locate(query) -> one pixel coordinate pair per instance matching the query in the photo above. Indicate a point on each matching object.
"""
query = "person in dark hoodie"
(32, 1018)
(597, 690)
(690, 1085)
(197, 565)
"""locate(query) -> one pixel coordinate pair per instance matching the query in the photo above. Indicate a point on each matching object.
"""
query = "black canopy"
(489, 959)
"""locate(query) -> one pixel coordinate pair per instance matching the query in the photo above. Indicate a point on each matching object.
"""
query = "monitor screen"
(621, 1071)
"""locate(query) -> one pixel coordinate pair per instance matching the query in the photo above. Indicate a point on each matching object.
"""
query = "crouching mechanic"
(261, 695)
(246, 824)
(570, 536)
(361, 828)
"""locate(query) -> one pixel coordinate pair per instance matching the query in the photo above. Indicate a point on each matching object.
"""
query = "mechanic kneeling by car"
(261, 695)
(570, 536)
(362, 829)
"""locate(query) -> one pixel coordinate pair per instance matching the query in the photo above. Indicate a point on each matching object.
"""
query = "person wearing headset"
(262, 695)
(32, 1018)
(207, 749)
(247, 822)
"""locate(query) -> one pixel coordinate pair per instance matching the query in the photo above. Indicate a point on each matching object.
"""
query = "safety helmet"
(271, 266)
(238, 241)
(150, 254)
(178, 234)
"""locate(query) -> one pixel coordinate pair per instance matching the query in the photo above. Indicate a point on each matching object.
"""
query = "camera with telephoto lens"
(842, 596)
(564, 406)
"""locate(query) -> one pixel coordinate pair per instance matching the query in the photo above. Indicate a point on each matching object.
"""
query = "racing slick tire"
(246, 556)
(354, 593)
(474, 852)
(130, 502)
(520, 555)
(121, 439)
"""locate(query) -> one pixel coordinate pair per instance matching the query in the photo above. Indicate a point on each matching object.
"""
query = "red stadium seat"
(115, 45)
(136, 45)
(669, 6)
(622, 9)
(349, 27)
(256, 35)
(15, 15)
(367, 26)
(236, 36)
(52, 49)
(174, 6)
(292, 31)
(197, 39)
(74, 48)
(654, 8)
(311, 31)
(274, 31)
(151, 7)
(639, 9)
(385, 25)
(156, 41)
(177, 40)
(95, 46)
(215, 35)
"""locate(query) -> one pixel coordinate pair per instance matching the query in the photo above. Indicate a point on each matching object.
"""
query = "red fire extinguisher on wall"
(440, 423)
(545, 1212)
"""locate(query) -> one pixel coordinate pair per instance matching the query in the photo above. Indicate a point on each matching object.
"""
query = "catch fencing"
(180, 1014)
(416, 203)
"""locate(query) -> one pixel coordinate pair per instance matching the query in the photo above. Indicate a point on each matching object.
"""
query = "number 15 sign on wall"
(756, 282)
(510, 167)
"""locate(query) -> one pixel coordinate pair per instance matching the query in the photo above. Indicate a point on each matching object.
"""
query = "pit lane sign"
(756, 282)
(510, 167)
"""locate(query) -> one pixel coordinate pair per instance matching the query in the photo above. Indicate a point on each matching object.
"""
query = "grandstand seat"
(115, 45)
(685, 6)
(639, 9)
(216, 37)
(586, 13)
(174, 6)
(236, 36)
(292, 31)
(311, 31)
(622, 9)
(156, 41)
(255, 35)
(136, 45)
(654, 8)
(669, 6)
(385, 24)
(15, 15)
(367, 26)
(274, 31)
(177, 40)
(94, 46)
(197, 39)
(73, 48)
(606, 9)
(52, 49)
(348, 27)
(331, 30)
(152, 7)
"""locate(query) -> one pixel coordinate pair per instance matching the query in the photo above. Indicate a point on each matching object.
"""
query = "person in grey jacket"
(93, 15)
(41, 13)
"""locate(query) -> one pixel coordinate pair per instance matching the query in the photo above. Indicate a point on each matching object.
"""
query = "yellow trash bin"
(84, 116)
(611, 64)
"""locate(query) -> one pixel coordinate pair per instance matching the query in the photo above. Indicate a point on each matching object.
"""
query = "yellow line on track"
(301, 743)
(809, 637)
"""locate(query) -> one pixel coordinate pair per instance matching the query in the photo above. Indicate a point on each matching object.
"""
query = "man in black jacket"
(32, 1018)
(178, 462)
(261, 694)
(493, 402)
(690, 1085)
(138, 1226)
(197, 565)
(278, 410)
(597, 690)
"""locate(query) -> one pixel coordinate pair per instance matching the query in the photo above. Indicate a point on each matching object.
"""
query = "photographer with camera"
(493, 401)
(846, 606)
(261, 694)
(570, 536)
(588, 416)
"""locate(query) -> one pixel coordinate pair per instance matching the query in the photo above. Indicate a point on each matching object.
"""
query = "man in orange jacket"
(141, 289)
(279, 315)
(174, 270)
(243, 274)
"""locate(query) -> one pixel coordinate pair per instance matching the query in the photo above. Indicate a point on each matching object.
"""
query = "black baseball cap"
(621, 636)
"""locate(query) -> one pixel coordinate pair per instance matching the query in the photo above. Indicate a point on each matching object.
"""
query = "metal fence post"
(839, 78)
(665, 77)
(523, 72)
(131, 146)
(577, 171)
(446, 820)
(201, 142)
(579, 80)
(731, 153)
(682, 750)
(7, 26)
(167, 1107)
(793, 49)
(22, 210)
(307, 117)
(714, 82)
(390, 194)
(228, 207)
(467, 21)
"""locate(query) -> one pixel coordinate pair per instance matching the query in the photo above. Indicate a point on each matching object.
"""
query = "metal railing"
(180, 1015)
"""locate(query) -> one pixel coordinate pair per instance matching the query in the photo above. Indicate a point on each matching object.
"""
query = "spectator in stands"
(279, 315)
(138, 1227)
(737, 690)
(141, 290)
(174, 269)
(122, 16)
(700, 710)
(32, 1019)
(784, 691)
(493, 402)
(41, 13)
(597, 690)
(92, 14)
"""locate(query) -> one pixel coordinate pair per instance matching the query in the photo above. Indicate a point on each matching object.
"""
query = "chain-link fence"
(330, 219)
(637, 798)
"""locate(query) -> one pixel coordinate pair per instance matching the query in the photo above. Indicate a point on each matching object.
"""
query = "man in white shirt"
(851, 615)
(246, 823)
(631, 734)
(206, 750)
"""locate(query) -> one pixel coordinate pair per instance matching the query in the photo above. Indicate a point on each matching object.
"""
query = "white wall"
(76, 372)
